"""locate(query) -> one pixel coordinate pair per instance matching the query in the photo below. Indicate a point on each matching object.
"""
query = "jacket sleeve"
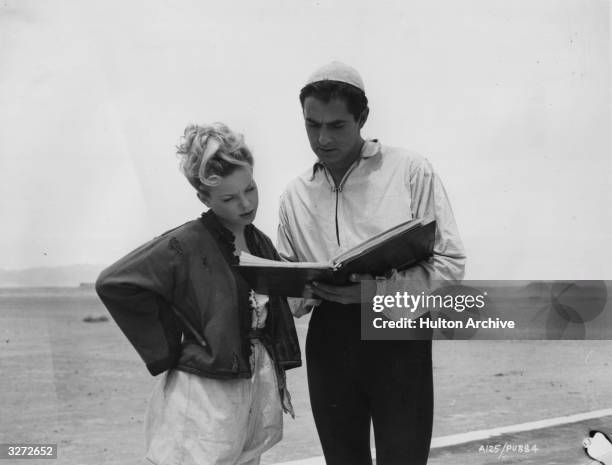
(138, 290)
(429, 202)
(284, 244)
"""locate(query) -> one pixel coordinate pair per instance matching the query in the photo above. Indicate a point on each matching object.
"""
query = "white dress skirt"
(193, 420)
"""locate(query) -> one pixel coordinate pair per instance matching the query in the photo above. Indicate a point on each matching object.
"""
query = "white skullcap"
(337, 71)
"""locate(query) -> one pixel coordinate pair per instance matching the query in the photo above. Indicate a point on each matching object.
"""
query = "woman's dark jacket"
(182, 305)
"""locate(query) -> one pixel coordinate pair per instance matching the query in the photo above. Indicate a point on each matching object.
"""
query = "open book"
(398, 248)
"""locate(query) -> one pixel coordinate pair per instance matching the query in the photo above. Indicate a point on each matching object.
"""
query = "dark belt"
(257, 333)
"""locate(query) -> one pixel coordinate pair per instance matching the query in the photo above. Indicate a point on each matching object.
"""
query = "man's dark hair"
(327, 90)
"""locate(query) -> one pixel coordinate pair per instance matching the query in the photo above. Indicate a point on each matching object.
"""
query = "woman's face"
(235, 199)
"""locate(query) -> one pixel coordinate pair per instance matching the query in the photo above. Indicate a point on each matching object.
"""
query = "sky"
(509, 100)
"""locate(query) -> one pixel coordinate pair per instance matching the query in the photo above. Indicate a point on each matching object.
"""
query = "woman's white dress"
(193, 420)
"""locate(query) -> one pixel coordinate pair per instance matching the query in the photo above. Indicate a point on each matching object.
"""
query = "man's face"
(333, 132)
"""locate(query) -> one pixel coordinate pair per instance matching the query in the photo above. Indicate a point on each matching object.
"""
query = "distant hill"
(59, 276)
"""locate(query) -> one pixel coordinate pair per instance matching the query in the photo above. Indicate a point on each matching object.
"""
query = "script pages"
(396, 248)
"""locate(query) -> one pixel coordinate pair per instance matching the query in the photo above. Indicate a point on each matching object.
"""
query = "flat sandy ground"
(81, 385)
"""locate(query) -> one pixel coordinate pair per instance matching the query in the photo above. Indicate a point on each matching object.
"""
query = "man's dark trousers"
(352, 382)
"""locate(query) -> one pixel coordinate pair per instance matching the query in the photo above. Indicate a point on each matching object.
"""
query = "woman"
(181, 303)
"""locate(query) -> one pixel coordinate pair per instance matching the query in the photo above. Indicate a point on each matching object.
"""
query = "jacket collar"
(223, 235)
(370, 148)
(214, 225)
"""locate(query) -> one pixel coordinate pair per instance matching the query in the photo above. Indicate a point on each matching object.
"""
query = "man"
(356, 189)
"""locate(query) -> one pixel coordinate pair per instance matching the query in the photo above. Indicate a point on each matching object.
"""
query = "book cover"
(397, 248)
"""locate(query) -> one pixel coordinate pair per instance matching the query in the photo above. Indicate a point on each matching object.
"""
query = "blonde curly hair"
(210, 152)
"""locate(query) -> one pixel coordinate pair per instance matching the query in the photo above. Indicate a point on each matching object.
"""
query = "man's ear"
(363, 117)
(203, 198)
